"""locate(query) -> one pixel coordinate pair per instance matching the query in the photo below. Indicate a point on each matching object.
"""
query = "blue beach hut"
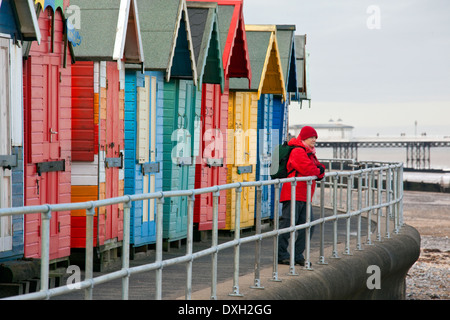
(18, 24)
(286, 47)
(302, 61)
(143, 140)
(168, 49)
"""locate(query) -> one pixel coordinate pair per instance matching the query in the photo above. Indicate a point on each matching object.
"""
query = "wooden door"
(186, 109)
(265, 119)
(112, 148)
(146, 98)
(5, 145)
(49, 195)
(43, 126)
(51, 144)
(205, 175)
(241, 160)
(49, 184)
(248, 146)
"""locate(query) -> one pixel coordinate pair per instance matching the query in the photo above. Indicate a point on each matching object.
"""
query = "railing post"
(347, 220)
(308, 229)
(189, 244)
(215, 242)
(159, 245)
(126, 248)
(359, 207)
(257, 279)
(276, 226)
(89, 263)
(341, 183)
(388, 200)
(335, 231)
(322, 225)
(401, 196)
(45, 248)
(397, 198)
(379, 211)
(331, 181)
(293, 231)
(370, 201)
(237, 231)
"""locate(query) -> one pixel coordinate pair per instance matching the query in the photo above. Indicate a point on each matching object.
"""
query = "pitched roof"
(166, 36)
(236, 61)
(265, 60)
(27, 23)
(110, 31)
(206, 42)
(302, 57)
(286, 47)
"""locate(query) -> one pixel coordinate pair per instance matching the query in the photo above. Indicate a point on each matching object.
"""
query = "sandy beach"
(429, 213)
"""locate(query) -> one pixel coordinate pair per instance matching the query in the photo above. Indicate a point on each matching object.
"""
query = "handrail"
(388, 178)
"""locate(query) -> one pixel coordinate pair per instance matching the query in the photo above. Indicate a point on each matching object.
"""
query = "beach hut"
(253, 121)
(236, 64)
(110, 37)
(143, 145)
(166, 36)
(279, 126)
(210, 170)
(18, 24)
(302, 58)
(286, 48)
(47, 124)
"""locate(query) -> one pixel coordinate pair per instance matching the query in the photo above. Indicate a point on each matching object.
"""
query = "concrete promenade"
(142, 286)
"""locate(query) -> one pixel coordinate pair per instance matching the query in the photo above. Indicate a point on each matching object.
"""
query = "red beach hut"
(212, 165)
(47, 124)
(98, 98)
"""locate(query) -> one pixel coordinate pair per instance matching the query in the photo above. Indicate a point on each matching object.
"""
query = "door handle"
(52, 133)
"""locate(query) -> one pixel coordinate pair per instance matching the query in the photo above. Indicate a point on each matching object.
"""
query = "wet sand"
(429, 213)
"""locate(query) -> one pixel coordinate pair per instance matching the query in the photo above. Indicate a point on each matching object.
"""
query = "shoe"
(302, 263)
(284, 261)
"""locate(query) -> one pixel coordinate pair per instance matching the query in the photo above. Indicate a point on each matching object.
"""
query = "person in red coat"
(302, 163)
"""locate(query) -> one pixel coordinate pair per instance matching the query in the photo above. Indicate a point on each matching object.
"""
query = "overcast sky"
(389, 75)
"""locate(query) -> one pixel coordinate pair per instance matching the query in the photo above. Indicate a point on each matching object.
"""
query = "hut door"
(49, 182)
(5, 147)
(265, 148)
(186, 107)
(218, 145)
(147, 147)
(49, 194)
(51, 108)
(245, 148)
(112, 147)
(152, 178)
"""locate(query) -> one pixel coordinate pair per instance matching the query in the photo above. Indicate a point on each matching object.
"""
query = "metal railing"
(370, 187)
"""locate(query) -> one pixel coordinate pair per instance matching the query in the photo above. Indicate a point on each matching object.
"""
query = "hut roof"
(206, 42)
(110, 31)
(166, 35)
(265, 60)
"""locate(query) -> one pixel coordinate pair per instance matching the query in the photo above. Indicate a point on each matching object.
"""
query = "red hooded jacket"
(304, 162)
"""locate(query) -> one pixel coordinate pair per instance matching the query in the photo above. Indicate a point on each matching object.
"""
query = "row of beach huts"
(104, 98)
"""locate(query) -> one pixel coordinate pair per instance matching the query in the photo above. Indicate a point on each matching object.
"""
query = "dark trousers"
(285, 222)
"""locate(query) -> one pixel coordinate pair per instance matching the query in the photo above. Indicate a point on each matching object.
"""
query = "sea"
(439, 162)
